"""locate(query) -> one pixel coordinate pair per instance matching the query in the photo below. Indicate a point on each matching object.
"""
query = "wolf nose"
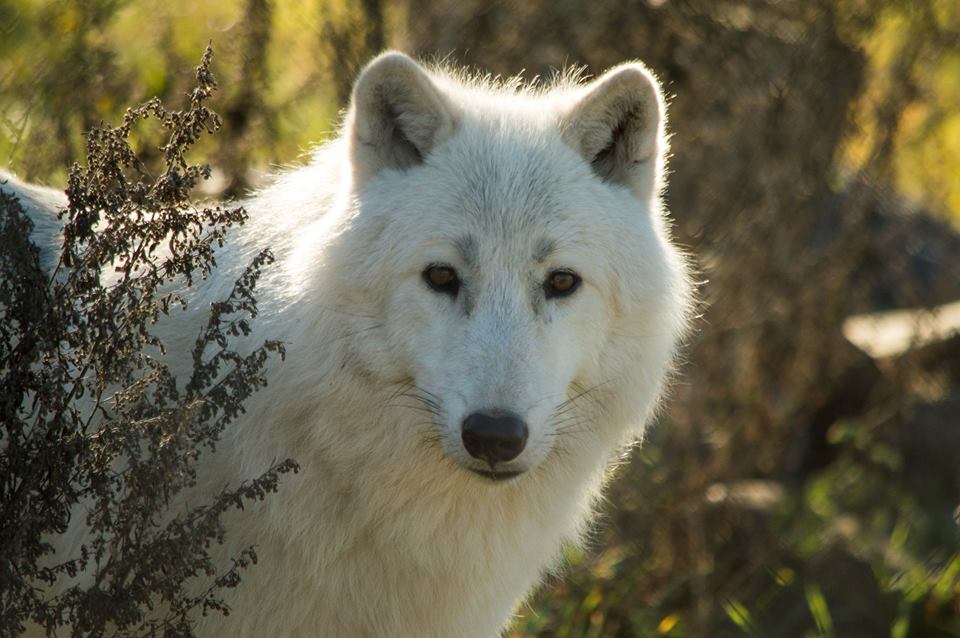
(494, 438)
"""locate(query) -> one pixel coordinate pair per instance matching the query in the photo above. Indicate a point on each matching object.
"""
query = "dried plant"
(93, 422)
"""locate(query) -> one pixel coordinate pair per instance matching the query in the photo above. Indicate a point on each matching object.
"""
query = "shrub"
(93, 422)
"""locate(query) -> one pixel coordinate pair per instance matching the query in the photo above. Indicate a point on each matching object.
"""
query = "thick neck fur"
(380, 516)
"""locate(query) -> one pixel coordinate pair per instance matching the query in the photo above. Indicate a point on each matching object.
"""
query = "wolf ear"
(617, 126)
(397, 116)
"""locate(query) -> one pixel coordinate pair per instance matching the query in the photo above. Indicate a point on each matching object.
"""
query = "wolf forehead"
(507, 185)
(512, 201)
(468, 248)
(522, 215)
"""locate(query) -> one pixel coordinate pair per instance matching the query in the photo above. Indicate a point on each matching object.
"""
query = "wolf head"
(509, 247)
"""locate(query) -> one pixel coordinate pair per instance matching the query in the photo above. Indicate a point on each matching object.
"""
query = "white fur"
(385, 532)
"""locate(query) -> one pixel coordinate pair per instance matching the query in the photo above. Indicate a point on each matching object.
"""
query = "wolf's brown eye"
(561, 283)
(442, 279)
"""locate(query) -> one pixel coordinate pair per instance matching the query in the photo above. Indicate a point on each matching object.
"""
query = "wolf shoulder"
(41, 205)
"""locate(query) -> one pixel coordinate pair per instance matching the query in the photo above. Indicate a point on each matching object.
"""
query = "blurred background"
(804, 479)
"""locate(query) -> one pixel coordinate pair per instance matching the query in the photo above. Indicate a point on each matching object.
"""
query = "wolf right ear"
(617, 126)
(397, 116)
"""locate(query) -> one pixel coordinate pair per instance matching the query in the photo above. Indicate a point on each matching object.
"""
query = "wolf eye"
(561, 283)
(442, 279)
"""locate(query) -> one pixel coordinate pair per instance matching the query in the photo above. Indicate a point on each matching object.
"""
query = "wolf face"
(516, 249)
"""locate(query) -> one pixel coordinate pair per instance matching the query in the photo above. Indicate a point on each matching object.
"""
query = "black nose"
(495, 438)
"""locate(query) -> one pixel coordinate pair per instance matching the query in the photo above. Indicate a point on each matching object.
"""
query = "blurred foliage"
(907, 118)
(795, 486)
(67, 65)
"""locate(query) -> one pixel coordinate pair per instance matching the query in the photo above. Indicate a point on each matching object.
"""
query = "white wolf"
(481, 302)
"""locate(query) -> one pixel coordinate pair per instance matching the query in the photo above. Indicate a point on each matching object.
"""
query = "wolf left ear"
(617, 126)
(397, 116)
